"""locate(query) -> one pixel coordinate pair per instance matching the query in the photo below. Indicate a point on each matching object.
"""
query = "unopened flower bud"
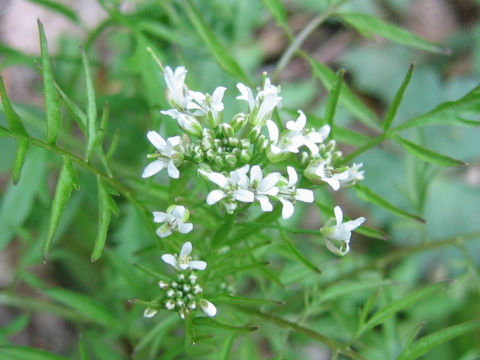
(170, 305)
(171, 293)
(163, 285)
(186, 288)
(192, 306)
(226, 130)
(239, 121)
(244, 156)
(193, 278)
(197, 289)
(254, 133)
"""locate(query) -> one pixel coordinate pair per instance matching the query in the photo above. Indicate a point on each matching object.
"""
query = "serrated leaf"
(27, 353)
(368, 195)
(14, 121)
(91, 108)
(428, 155)
(454, 112)
(219, 52)
(84, 305)
(53, 107)
(59, 9)
(368, 25)
(22, 148)
(347, 98)
(106, 206)
(67, 182)
(333, 97)
(276, 8)
(404, 303)
(392, 110)
(431, 341)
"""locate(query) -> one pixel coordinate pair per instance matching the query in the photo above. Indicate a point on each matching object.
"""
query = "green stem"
(301, 37)
(332, 344)
(377, 140)
(280, 227)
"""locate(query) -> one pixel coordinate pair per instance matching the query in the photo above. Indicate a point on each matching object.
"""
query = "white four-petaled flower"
(184, 261)
(165, 157)
(288, 194)
(263, 187)
(177, 92)
(173, 220)
(337, 237)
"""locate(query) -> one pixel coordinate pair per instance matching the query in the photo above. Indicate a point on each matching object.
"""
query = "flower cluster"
(182, 294)
(246, 159)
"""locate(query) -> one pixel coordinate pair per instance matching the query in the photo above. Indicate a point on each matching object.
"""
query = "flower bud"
(170, 305)
(226, 130)
(245, 156)
(239, 121)
(254, 133)
(231, 160)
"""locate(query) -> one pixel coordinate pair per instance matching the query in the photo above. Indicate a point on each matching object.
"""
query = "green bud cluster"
(182, 294)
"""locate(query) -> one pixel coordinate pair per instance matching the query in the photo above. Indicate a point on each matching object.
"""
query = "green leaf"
(431, 341)
(67, 182)
(219, 52)
(27, 353)
(239, 300)
(78, 114)
(302, 258)
(428, 155)
(392, 110)
(354, 287)
(84, 305)
(367, 308)
(276, 8)
(58, 8)
(205, 321)
(368, 25)
(225, 349)
(164, 32)
(16, 325)
(368, 195)
(404, 303)
(91, 108)
(449, 113)
(22, 148)
(14, 122)
(53, 107)
(106, 206)
(333, 98)
(347, 97)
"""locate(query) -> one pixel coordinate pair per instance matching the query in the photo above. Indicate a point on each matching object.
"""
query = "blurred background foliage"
(79, 309)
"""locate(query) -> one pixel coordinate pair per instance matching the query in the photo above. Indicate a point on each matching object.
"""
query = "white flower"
(174, 220)
(288, 194)
(233, 188)
(263, 187)
(353, 175)
(288, 142)
(337, 237)
(208, 105)
(184, 260)
(177, 92)
(208, 308)
(327, 173)
(166, 155)
(186, 122)
(309, 137)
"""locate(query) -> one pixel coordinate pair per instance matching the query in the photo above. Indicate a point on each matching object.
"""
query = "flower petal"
(256, 174)
(150, 312)
(217, 178)
(159, 216)
(172, 170)
(287, 209)
(198, 265)
(208, 308)
(186, 250)
(272, 131)
(185, 228)
(178, 211)
(353, 224)
(244, 195)
(154, 168)
(156, 140)
(338, 214)
(292, 176)
(269, 181)
(215, 196)
(304, 195)
(174, 140)
(164, 231)
(265, 203)
(170, 260)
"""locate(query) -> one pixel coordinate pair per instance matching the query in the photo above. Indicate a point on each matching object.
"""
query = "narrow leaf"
(219, 52)
(238, 300)
(14, 122)
(205, 321)
(27, 353)
(276, 8)
(404, 303)
(58, 8)
(106, 206)
(67, 181)
(413, 334)
(347, 97)
(302, 258)
(354, 287)
(428, 155)
(367, 308)
(372, 233)
(78, 114)
(431, 341)
(225, 349)
(22, 148)
(333, 98)
(151, 272)
(84, 305)
(53, 107)
(91, 108)
(454, 112)
(392, 110)
(368, 25)
(368, 195)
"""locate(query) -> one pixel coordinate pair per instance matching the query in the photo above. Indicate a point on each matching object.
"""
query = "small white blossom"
(186, 122)
(327, 173)
(166, 155)
(233, 188)
(150, 312)
(288, 194)
(177, 92)
(353, 175)
(337, 237)
(184, 260)
(208, 308)
(263, 187)
(208, 105)
(173, 220)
